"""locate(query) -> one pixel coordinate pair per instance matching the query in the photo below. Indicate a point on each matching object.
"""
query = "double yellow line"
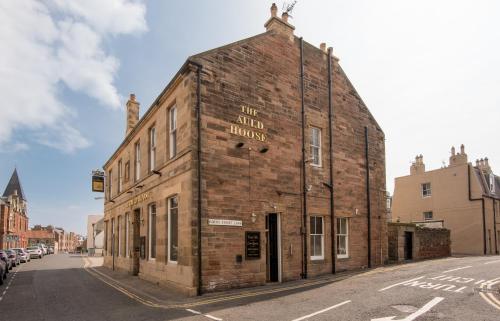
(489, 297)
(112, 283)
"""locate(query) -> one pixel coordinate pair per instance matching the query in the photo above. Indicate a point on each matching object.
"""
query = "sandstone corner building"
(258, 162)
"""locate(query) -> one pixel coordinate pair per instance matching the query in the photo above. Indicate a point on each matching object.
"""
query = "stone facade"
(251, 160)
(427, 243)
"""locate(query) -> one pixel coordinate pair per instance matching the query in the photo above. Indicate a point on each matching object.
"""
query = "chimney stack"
(418, 167)
(322, 46)
(132, 114)
(458, 158)
(278, 25)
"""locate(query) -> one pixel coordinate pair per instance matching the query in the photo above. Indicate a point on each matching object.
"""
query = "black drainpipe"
(198, 128)
(495, 224)
(304, 183)
(482, 208)
(330, 133)
(368, 202)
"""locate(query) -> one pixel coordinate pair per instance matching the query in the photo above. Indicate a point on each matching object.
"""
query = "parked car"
(4, 257)
(35, 252)
(4, 266)
(44, 249)
(14, 257)
(51, 250)
(23, 255)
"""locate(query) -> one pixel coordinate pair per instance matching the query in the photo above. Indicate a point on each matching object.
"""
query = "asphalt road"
(58, 288)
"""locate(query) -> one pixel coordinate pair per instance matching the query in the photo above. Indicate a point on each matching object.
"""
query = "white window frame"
(152, 148)
(170, 229)
(322, 236)
(150, 241)
(127, 231)
(314, 147)
(172, 130)
(346, 235)
(120, 176)
(110, 183)
(137, 160)
(426, 192)
(119, 222)
(431, 217)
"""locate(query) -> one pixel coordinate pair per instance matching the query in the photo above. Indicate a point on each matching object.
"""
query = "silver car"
(24, 256)
(35, 252)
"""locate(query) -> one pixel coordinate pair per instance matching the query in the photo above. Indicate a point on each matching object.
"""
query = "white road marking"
(193, 311)
(400, 283)
(205, 315)
(460, 268)
(321, 311)
(417, 313)
(491, 262)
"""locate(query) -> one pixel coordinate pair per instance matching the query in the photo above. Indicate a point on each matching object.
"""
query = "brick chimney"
(279, 25)
(132, 114)
(418, 166)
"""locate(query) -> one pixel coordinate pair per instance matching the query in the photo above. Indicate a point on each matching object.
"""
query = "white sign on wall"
(213, 221)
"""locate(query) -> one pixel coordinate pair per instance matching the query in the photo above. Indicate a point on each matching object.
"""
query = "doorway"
(273, 247)
(136, 240)
(408, 246)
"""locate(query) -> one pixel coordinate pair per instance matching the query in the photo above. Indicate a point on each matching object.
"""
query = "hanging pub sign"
(98, 181)
(252, 245)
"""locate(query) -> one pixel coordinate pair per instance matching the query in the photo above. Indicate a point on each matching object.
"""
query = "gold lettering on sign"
(247, 119)
(138, 199)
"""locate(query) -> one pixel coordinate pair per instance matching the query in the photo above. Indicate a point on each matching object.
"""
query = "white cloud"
(47, 45)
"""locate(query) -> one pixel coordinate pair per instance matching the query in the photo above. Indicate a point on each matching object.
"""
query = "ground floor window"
(119, 236)
(152, 231)
(317, 237)
(113, 247)
(173, 227)
(428, 216)
(127, 231)
(342, 237)
(106, 236)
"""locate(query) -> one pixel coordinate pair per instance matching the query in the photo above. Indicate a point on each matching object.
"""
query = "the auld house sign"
(247, 125)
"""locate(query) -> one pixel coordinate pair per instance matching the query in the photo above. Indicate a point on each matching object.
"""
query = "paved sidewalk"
(155, 295)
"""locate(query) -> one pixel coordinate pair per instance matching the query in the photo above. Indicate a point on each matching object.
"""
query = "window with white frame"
(428, 216)
(119, 236)
(342, 237)
(426, 190)
(315, 146)
(492, 183)
(173, 227)
(120, 176)
(316, 237)
(127, 231)
(137, 167)
(110, 183)
(152, 231)
(173, 131)
(152, 148)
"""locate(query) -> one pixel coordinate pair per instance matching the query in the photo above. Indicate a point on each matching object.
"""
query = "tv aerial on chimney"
(288, 8)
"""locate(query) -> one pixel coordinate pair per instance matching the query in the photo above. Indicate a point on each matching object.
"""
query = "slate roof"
(484, 179)
(14, 184)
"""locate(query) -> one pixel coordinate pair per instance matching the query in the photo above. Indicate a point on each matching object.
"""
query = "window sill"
(317, 258)
(343, 258)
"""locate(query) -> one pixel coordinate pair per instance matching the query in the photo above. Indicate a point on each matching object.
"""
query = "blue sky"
(427, 71)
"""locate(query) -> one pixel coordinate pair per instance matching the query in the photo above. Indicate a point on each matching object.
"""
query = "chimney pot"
(453, 150)
(274, 10)
(322, 46)
(284, 17)
(132, 97)
(462, 149)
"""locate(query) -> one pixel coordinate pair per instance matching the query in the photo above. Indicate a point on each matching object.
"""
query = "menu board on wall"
(252, 245)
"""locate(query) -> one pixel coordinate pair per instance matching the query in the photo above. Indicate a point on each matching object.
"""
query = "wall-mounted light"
(253, 217)
(356, 211)
(156, 172)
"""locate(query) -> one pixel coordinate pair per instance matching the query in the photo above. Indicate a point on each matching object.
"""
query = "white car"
(35, 252)
(44, 249)
(23, 254)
